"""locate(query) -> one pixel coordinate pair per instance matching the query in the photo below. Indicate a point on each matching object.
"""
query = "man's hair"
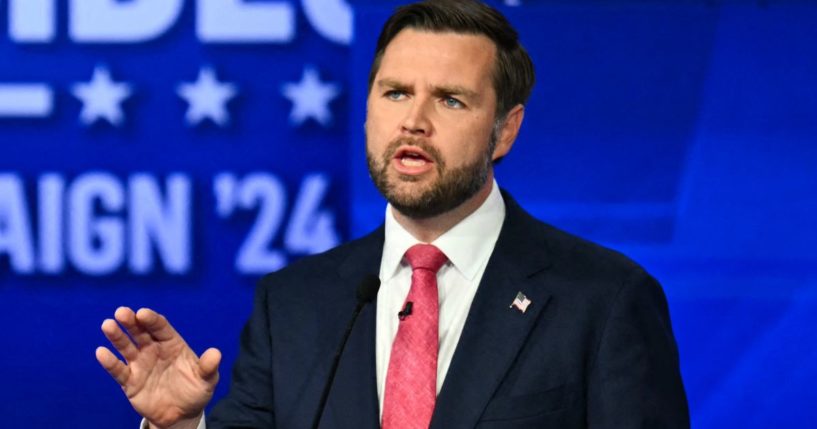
(513, 74)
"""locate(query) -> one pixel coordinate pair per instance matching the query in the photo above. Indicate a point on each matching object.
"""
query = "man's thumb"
(208, 363)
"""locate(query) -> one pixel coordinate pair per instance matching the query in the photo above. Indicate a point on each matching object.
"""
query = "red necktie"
(411, 381)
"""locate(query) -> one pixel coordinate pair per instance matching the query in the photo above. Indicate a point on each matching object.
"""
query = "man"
(529, 327)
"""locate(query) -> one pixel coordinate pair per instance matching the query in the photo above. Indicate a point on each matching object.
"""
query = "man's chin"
(412, 210)
(398, 178)
(410, 187)
(411, 200)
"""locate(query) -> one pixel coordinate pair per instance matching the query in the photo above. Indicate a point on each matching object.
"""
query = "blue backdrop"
(166, 153)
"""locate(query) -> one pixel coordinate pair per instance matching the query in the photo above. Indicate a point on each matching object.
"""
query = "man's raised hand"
(165, 382)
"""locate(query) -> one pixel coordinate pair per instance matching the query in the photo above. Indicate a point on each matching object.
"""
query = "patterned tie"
(411, 381)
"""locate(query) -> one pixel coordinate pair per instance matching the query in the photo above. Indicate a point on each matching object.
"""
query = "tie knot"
(425, 256)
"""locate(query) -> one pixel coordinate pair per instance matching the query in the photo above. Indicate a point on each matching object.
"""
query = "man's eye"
(395, 95)
(453, 103)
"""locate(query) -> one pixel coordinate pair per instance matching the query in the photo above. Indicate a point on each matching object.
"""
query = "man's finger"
(118, 370)
(120, 341)
(208, 363)
(155, 324)
(127, 318)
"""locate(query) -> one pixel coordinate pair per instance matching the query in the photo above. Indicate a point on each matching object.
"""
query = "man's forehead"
(422, 53)
(410, 35)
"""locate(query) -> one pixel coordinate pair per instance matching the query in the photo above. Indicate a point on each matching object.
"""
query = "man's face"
(430, 121)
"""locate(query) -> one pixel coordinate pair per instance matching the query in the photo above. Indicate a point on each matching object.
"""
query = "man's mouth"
(412, 160)
(411, 157)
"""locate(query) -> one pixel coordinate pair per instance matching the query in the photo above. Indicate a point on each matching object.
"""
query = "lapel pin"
(521, 302)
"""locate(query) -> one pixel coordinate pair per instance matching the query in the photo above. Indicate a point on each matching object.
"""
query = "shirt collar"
(468, 245)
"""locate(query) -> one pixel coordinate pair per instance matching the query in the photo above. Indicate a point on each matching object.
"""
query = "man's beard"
(450, 190)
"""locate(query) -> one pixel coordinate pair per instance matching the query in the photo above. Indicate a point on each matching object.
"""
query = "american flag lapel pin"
(521, 302)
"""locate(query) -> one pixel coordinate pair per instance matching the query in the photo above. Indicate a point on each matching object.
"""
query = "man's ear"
(508, 131)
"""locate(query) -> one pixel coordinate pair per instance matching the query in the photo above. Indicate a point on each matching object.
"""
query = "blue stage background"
(166, 153)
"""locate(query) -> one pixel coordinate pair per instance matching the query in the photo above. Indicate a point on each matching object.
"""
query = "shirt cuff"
(202, 424)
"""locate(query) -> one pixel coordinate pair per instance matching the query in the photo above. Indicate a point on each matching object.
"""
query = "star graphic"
(310, 98)
(101, 98)
(207, 98)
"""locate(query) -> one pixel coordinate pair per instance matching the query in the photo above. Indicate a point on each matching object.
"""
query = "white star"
(310, 98)
(207, 98)
(101, 98)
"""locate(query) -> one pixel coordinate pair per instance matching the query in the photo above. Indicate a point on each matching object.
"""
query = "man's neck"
(429, 229)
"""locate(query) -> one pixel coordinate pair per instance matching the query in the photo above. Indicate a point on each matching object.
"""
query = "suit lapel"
(494, 333)
(353, 399)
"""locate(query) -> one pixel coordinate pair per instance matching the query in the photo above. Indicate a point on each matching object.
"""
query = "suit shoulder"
(584, 265)
(328, 263)
(563, 249)
(591, 279)
(571, 249)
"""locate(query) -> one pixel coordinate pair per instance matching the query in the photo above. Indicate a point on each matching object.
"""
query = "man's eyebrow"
(455, 90)
(439, 90)
(391, 83)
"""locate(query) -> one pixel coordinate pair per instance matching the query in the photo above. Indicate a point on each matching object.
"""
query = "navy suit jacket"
(594, 349)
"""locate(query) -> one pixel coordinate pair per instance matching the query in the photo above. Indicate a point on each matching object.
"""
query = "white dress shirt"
(146, 425)
(468, 246)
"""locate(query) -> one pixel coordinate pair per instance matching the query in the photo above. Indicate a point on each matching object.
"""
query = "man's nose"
(417, 121)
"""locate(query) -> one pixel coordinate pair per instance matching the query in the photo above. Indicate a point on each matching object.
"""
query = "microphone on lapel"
(406, 311)
(366, 292)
